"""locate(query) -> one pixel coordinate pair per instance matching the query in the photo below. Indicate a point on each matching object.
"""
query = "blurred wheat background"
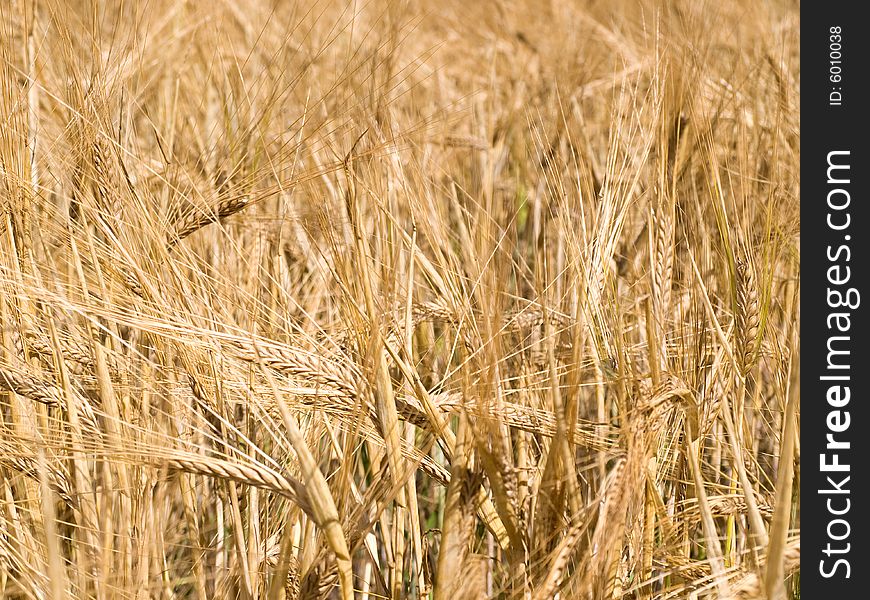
(399, 299)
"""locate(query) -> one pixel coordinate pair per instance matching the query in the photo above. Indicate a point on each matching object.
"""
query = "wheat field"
(399, 299)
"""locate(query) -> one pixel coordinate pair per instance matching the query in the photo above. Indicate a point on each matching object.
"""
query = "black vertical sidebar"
(835, 300)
